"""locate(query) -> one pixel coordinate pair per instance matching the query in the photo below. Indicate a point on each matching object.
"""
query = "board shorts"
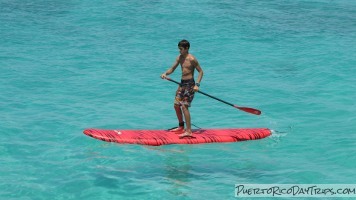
(185, 93)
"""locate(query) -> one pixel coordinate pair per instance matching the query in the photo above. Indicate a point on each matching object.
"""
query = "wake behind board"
(163, 137)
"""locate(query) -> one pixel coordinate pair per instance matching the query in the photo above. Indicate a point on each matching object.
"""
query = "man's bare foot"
(186, 135)
(177, 130)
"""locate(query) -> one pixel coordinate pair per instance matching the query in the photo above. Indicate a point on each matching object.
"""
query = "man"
(185, 92)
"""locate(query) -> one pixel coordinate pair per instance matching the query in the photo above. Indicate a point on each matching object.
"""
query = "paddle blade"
(249, 110)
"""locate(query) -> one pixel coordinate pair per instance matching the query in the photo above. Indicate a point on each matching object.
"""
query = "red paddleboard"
(163, 137)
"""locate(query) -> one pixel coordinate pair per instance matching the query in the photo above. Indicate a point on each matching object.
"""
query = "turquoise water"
(70, 65)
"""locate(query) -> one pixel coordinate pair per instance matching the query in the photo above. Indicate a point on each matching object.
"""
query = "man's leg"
(186, 112)
(179, 114)
(180, 127)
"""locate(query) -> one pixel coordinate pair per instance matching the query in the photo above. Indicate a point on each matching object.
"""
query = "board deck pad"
(164, 137)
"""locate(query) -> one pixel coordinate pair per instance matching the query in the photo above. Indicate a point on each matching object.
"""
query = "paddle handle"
(246, 109)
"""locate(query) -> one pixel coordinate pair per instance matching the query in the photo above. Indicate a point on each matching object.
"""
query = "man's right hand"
(164, 76)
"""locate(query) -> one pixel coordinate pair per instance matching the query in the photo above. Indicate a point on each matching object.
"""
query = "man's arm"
(200, 76)
(171, 69)
(200, 70)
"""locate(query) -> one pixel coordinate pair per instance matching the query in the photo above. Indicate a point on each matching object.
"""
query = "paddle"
(249, 110)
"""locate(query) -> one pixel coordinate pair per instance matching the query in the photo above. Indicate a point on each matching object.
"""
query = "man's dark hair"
(184, 43)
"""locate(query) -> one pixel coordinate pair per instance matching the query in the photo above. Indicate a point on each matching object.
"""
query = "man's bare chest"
(185, 63)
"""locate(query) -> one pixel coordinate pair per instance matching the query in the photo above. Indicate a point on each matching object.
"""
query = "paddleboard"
(164, 137)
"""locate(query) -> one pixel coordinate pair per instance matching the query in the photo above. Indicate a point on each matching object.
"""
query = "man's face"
(182, 50)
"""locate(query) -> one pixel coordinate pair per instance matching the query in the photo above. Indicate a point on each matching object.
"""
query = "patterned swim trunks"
(185, 93)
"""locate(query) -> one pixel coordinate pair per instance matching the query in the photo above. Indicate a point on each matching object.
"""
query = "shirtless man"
(185, 92)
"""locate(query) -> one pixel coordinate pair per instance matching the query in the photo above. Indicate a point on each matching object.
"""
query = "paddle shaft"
(206, 94)
(249, 110)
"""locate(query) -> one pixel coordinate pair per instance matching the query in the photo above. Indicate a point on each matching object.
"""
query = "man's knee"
(184, 107)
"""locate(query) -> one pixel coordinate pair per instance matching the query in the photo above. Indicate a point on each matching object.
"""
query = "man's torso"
(187, 64)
